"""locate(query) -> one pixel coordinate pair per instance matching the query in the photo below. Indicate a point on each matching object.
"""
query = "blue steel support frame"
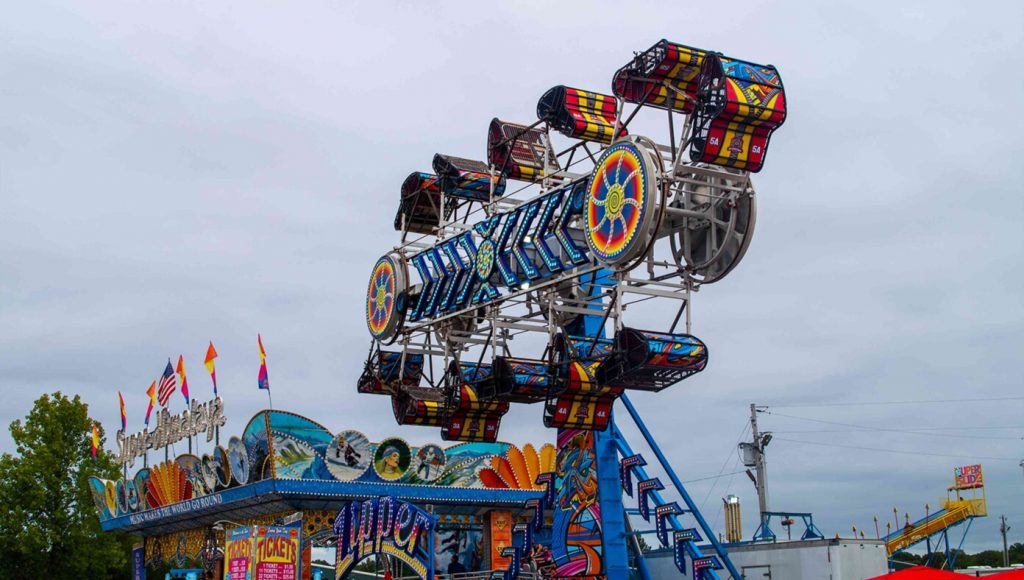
(690, 504)
(944, 535)
(607, 446)
(960, 546)
(609, 488)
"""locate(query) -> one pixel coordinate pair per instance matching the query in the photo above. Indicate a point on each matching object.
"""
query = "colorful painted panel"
(420, 207)
(521, 380)
(620, 204)
(386, 369)
(418, 406)
(429, 463)
(348, 456)
(501, 538)
(664, 76)
(462, 545)
(392, 459)
(580, 114)
(517, 151)
(576, 546)
(470, 417)
(467, 179)
(580, 401)
(387, 284)
(288, 446)
(652, 361)
(742, 103)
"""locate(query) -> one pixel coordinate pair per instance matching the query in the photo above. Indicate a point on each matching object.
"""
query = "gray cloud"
(171, 174)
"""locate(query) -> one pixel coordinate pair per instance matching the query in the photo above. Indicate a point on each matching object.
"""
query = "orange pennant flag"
(211, 353)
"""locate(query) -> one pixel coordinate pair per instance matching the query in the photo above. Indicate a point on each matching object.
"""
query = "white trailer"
(831, 559)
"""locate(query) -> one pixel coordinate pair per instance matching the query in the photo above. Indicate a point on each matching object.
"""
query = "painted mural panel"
(576, 532)
(283, 445)
(464, 545)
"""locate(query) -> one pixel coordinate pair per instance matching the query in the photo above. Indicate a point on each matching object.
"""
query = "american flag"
(167, 385)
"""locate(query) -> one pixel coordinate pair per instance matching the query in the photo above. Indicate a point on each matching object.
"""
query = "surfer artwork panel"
(349, 455)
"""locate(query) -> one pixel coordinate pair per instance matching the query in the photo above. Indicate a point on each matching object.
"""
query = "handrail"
(933, 525)
(692, 507)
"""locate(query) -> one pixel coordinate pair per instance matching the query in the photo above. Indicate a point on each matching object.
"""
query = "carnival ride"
(608, 220)
(956, 510)
(540, 240)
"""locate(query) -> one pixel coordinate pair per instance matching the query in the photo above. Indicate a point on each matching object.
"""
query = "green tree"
(48, 522)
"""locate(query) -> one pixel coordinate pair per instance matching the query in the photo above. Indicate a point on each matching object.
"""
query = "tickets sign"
(968, 477)
(238, 554)
(277, 552)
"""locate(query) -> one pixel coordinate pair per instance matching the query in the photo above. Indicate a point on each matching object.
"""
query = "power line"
(919, 402)
(889, 429)
(951, 428)
(719, 476)
(893, 450)
(725, 463)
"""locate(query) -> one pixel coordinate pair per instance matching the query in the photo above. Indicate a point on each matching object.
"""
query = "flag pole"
(270, 399)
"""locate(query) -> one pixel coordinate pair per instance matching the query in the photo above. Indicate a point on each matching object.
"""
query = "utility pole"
(1003, 528)
(757, 447)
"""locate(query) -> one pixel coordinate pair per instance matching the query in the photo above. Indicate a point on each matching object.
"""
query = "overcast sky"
(175, 172)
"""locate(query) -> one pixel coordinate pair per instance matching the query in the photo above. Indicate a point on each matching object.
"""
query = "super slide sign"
(968, 477)
(385, 525)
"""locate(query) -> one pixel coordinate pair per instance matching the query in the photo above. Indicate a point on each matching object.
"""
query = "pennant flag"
(263, 380)
(211, 353)
(124, 416)
(167, 385)
(184, 381)
(95, 441)
(151, 392)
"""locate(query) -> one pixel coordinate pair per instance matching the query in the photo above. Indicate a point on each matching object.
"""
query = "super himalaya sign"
(200, 418)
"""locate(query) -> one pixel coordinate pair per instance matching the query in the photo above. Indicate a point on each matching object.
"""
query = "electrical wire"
(920, 402)
(725, 463)
(957, 428)
(893, 450)
(887, 429)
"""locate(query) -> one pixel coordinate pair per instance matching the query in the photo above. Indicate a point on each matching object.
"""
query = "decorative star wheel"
(616, 204)
(381, 298)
